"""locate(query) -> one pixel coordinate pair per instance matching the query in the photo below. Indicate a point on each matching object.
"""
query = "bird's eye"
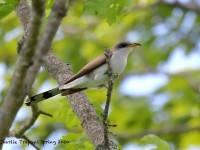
(122, 45)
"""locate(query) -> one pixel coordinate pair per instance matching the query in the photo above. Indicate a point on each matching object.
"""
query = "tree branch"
(30, 58)
(58, 12)
(79, 102)
(18, 89)
(23, 11)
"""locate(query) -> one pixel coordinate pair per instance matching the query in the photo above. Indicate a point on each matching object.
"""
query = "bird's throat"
(119, 60)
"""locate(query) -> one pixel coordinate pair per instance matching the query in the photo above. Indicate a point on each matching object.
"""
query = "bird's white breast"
(119, 60)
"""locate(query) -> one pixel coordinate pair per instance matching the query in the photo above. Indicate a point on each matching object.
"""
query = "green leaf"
(77, 141)
(7, 7)
(110, 10)
(48, 6)
(88, 146)
(153, 139)
(65, 114)
(72, 137)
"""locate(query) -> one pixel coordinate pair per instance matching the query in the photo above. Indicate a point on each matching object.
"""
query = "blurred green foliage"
(89, 27)
(7, 6)
(157, 141)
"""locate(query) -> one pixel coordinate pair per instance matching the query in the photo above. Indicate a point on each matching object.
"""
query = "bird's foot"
(107, 54)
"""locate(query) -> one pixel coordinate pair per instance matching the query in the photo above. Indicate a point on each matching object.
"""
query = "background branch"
(17, 91)
(163, 131)
(186, 7)
(35, 114)
(20, 133)
(30, 60)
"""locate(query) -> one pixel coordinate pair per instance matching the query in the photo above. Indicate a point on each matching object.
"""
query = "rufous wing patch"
(91, 66)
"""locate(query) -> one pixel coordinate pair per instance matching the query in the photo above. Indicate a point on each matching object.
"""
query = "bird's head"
(125, 45)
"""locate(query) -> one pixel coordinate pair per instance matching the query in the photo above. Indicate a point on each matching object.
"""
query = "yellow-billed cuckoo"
(92, 75)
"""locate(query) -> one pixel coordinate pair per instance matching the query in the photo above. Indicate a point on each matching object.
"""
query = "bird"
(92, 75)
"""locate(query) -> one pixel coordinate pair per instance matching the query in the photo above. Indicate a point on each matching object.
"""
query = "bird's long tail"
(53, 92)
(42, 96)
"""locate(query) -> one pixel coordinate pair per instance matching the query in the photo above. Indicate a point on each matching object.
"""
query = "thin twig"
(44, 113)
(30, 142)
(110, 87)
(28, 124)
(35, 114)
(108, 100)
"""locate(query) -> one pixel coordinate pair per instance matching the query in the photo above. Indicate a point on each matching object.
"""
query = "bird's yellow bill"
(134, 45)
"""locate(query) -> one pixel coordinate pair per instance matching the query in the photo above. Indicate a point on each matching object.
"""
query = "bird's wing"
(91, 66)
